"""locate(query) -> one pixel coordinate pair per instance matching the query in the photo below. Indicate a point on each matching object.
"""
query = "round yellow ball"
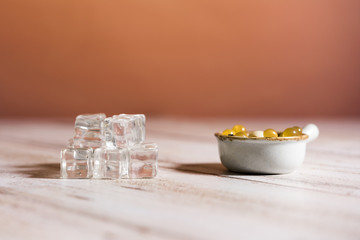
(270, 133)
(298, 130)
(290, 132)
(228, 132)
(239, 128)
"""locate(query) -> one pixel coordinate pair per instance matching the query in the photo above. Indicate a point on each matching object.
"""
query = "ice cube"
(87, 126)
(138, 124)
(124, 130)
(143, 160)
(110, 163)
(88, 130)
(76, 163)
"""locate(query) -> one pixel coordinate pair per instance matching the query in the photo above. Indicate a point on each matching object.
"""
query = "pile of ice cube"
(110, 147)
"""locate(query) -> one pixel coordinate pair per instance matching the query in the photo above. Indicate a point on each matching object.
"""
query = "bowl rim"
(220, 136)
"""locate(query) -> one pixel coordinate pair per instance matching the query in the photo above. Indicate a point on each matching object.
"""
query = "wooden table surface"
(193, 196)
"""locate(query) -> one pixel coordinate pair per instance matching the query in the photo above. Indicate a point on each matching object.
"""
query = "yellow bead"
(298, 130)
(228, 132)
(239, 128)
(270, 133)
(291, 132)
(241, 134)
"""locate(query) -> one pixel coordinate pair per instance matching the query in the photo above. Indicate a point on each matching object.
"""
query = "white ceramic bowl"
(265, 155)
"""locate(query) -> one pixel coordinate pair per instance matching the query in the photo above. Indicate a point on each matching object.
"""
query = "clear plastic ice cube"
(76, 163)
(87, 126)
(110, 163)
(143, 160)
(124, 130)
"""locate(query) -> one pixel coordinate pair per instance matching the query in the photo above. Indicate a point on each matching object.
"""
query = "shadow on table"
(40, 170)
(209, 169)
(52, 170)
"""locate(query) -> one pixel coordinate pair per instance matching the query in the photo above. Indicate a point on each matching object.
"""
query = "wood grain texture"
(193, 196)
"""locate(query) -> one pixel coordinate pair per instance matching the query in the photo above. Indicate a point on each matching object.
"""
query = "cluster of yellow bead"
(240, 131)
(237, 130)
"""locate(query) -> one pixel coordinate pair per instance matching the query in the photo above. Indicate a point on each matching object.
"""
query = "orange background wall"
(180, 57)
